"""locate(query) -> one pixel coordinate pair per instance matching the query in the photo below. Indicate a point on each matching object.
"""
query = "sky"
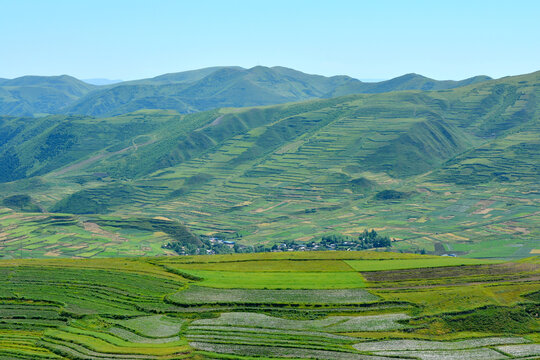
(382, 39)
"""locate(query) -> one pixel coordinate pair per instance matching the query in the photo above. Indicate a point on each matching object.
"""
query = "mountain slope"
(31, 95)
(412, 131)
(36, 146)
(180, 77)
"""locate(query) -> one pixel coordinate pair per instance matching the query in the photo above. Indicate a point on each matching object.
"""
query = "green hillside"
(452, 171)
(36, 146)
(35, 95)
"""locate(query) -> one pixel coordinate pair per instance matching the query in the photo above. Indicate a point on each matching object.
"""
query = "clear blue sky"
(119, 39)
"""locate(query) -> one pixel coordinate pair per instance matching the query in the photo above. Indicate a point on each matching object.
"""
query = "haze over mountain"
(193, 91)
(101, 81)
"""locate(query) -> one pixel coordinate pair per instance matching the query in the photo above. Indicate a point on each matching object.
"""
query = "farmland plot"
(282, 352)
(288, 266)
(263, 335)
(136, 338)
(278, 280)
(204, 295)
(156, 326)
(195, 329)
(474, 354)
(330, 324)
(376, 265)
(395, 345)
(521, 350)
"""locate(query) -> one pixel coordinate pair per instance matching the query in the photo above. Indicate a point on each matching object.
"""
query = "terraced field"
(37, 235)
(142, 308)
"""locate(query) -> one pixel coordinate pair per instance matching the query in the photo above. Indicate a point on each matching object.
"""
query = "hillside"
(191, 91)
(35, 95)
(451, 171)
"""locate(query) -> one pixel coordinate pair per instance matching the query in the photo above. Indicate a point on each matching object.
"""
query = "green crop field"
(279, 280)
(272, 266)
(331, 305)
(397, 264)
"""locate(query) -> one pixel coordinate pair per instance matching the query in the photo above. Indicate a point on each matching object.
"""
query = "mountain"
(181, 77)
(212, 88)
(405, 82)
(34, 95)
(456, 167)
(192, 91)
(419, 82)
(222, 87)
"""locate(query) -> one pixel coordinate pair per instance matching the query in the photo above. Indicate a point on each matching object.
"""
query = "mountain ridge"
(192, 91)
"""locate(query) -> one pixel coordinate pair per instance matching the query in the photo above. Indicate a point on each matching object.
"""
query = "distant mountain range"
(192, 91)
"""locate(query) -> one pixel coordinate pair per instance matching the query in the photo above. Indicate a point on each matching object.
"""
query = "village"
(215, 245)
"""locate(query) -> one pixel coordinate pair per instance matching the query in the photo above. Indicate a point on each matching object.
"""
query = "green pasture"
(272, 266)
(398, 264)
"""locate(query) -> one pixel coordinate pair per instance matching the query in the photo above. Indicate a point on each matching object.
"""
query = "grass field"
(141, 308)
(272, 266)
(377, 265)
(279, 280)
